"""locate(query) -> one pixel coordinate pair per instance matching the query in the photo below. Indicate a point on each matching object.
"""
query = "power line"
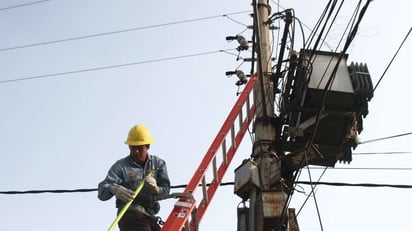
(385, 138)
(112, 66)
(396, 53)
(357, 184)
(23, 5)
(380, 153)
(121, 31)
(222, 184)
(355, 168)
(48, 191)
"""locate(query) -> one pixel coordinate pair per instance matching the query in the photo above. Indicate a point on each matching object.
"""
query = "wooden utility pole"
(267, 200)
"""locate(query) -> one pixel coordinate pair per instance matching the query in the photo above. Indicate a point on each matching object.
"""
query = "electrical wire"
(331, 24)
(23, 5)
(390, 63)
(354, 30)
(233, 20)
(380, 153)
(329, 8)
(120, 31)
(311, 191)
(402, 186)
(385, 138)
(111, 66)
(359, 184)
(355, 168)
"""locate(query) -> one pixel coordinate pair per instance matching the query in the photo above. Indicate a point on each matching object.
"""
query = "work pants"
(137, 221)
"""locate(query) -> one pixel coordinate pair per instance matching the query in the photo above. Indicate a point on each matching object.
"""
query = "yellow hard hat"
(139, 135)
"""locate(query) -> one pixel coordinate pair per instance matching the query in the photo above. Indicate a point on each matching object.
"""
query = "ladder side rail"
(222, 170)
(184, 206)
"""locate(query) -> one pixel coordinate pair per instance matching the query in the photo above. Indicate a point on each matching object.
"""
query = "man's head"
(139, 140)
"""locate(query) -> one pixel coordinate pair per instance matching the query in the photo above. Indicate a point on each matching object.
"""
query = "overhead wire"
(341, 39)
(111, 66)
(393, 58)
(385, 138)
(315, 28)
(329, 8)
(311, 192)
(331, 24)
(357, 168)
(401, 186)
(121, 31)
(20, 192)
(380, 153)
(23, 5)
(236, 21)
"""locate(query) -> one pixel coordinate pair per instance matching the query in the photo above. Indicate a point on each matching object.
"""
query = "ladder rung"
(248, 108)
(215, 170)
(232, 131)
(224, 152)
(206, 200)
(240, 119)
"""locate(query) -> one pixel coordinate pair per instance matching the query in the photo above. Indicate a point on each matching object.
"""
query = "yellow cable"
(124, 209)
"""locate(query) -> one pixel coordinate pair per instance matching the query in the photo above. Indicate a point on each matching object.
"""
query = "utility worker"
(125, 175)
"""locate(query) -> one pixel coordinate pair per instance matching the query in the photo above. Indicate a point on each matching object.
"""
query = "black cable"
(311, 191)
(119, 31)
(316, 27)
(354, 30)
(317, 41)
(109, 67)
(331, 24)
(48, 191)
(385, 138)
(222, 184)
(235, 21)
(380, 153)
(358, 184)
(390, 63)
(355, 168)
(22, 5)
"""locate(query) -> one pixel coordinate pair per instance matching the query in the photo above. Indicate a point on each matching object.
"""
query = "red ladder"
(179, 217)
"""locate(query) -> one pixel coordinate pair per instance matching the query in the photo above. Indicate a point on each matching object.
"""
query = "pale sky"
(65, 129)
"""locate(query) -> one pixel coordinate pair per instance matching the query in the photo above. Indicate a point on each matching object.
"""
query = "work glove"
(121, 193)
(151, 182)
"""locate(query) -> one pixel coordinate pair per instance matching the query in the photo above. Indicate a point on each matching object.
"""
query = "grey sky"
(65, 131)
